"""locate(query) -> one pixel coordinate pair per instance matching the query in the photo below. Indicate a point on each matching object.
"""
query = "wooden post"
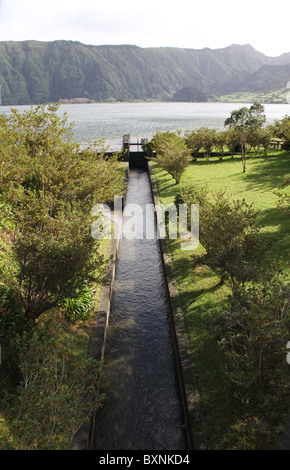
(144, 142)
(126, 146)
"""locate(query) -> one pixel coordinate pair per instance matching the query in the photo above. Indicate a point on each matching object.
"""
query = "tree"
(238, 120)
(202, 138)
(265, 137)
(245, 121)
(229, 233)
(282, 130)
(257, 112)
(55, 252)
(220, 141)
(208, 140)
(253, 140)
(233, 141)
(194, 141)
(173, 155)
(50, 206)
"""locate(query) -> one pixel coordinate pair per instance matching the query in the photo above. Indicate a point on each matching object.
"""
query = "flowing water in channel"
(142, 410)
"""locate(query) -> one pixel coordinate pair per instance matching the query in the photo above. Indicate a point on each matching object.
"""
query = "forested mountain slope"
(37, 72)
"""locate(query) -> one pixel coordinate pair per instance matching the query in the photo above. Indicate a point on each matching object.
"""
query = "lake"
(110, 121)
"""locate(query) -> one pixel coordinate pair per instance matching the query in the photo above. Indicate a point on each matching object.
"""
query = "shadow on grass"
(278, 234)
(273, 217)
(268, 171)
(215, 160)
(170, 184)
(261, 171)
(198, 293)
(200, 287)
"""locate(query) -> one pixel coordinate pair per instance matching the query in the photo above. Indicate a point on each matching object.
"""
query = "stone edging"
(184, 368)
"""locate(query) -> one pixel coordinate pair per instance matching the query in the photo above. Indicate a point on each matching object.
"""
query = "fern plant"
(79, 307)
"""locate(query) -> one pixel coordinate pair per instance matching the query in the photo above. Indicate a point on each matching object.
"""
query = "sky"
(155, 23)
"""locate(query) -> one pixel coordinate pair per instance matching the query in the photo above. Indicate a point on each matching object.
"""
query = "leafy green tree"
(194, 141)
(208, 140)
(201, 138)
(56, 253)
(229, 233)
(257, 112)
(220, 142)
(233, 141)
(265, 137)
(245, 121)
(253, 140)
(282, 130)
(173, 155)
(239, 121)
(50, 205)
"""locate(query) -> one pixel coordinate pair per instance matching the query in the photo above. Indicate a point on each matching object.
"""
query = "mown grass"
(199, 291)
(257, 186)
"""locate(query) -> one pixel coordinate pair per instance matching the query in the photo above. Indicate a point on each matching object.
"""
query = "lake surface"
(110, 121)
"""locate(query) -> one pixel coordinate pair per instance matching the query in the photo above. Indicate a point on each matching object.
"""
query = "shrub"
(253, 334)
(58, 391)
(231, 238)
(50, 200)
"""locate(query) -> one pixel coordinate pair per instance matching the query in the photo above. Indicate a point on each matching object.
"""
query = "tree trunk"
(244, 157)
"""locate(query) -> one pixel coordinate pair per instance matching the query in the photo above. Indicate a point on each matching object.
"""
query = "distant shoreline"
(226, 100)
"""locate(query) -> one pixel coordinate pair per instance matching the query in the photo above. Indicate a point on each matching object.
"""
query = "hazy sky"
(153, 23)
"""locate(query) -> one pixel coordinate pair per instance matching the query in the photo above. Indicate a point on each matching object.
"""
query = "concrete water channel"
(143, 409)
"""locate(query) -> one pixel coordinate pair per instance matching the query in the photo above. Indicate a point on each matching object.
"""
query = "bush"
(230, 236)
(58, 390)
(283, 203)
(253, 335)
(50, 191)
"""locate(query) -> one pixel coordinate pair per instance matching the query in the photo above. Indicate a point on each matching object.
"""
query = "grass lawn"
(198, 287)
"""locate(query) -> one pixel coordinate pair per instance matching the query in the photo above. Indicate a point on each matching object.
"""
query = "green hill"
(267, 78)
(189, 94)
(37, 72)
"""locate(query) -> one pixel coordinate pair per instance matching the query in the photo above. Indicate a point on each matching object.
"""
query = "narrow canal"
(142, 410)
